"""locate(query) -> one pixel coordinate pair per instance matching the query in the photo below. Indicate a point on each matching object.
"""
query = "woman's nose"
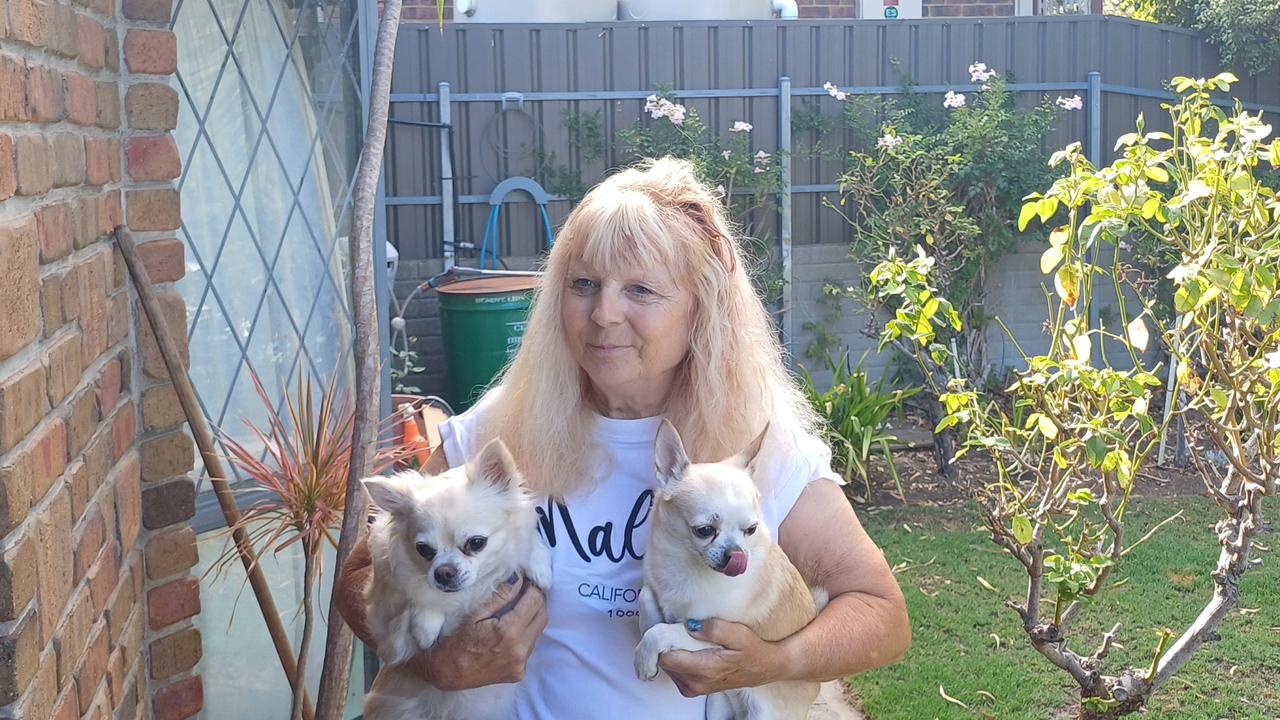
(608, 309)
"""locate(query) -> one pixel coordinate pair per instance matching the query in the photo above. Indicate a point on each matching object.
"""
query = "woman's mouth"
(606, 349)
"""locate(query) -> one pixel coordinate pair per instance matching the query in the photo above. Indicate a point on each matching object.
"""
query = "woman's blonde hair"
(731, 384)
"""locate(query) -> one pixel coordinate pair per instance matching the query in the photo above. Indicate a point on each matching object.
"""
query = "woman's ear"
(670, 461)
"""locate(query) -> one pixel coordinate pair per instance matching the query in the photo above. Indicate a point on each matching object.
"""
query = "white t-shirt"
(582, 667)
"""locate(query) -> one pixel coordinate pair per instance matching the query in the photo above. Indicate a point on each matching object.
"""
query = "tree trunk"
(944, 443)
(308, 612)
(336, 672)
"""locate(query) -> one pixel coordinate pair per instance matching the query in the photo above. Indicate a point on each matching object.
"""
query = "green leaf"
(1028, 212)
(1157, 173)
(1046, 426)
(1096, 448)
(1047, 207)
(1022, 529)
(1050, 259)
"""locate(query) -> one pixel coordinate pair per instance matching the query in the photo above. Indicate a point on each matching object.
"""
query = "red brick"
(67, 707)
(55, 231)
(104, 575)
(113, 47)
(93, 665)
(92, 41)
(166, 456)
(117, 671)
(171, 552)
(46, 96)
(120, 609)
(164, 260)
(174, 309)
(67, 160)
(172, 602)
(178, 701)
(20, 320)
(154, 209)
(114, 156)
(160, 408)
(82, 99)
(118, 322)
(168, 503)
(51, 302)
(19, 658)
(88, 472)
(62, 29)
(54, 560)
(62, 363)
(82, 420)
(90, 539)
(150, 52)
(13, 88)
(109, 212)
(22, 403)
(8, 172)
(48, 457)
(150, 10)
(151, 106)
(108, 385)
(87, 214)
(35, 177)
(97, 153)
(18, 572)
(124, 428)
(40, 698)
(108, 105)
(175, 653)
(128, 486)
(29, 21)
(152, 158)
(15, 496)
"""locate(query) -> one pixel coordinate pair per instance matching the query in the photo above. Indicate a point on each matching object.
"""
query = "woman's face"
(629, 330)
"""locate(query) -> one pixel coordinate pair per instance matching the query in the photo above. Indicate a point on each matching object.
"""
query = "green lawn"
(955, 631)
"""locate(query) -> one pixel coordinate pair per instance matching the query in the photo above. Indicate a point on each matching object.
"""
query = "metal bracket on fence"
(512, 101)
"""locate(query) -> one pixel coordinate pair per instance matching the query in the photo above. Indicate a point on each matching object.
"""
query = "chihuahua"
(710, 555)
(440, 547)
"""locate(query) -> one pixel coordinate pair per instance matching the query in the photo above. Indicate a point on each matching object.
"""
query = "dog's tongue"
(737, 564)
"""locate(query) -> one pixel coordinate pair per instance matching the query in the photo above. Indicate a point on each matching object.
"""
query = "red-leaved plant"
(302, 465)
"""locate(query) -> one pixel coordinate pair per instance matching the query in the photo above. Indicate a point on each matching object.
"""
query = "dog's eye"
(704, 531)
(751, 529)
(475, 544)
(425, 550)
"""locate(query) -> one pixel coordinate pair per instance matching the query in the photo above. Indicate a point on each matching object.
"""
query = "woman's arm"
(492, 646)
(864, 626)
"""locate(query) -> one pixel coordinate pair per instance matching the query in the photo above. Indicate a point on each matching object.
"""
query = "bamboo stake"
(212, 461)
(335, 674)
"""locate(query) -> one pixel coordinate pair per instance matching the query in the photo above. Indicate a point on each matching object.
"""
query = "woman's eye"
(750, 530)
(704, 531)
(476, 544)
(641, 290)
(426, 551)
(583, 285)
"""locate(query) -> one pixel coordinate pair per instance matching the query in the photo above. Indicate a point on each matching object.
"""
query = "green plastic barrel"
(483, 323)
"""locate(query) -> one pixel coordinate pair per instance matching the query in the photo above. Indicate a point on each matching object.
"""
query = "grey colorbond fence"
(762, 72)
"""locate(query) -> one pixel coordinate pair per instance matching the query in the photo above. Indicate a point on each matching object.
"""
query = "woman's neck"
(629, 406)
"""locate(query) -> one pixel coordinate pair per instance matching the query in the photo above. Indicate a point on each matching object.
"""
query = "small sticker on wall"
(891, 13)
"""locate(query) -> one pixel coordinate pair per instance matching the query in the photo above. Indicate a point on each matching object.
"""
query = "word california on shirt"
(582, 667)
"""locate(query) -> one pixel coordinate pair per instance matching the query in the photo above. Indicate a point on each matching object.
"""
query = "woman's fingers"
(502, 601)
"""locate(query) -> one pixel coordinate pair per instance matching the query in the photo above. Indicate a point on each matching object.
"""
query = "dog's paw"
(646, 661)
(539, 570)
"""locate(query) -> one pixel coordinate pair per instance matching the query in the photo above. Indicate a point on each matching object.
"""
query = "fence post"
(784, 230)
(1094, 91)
(446, 176)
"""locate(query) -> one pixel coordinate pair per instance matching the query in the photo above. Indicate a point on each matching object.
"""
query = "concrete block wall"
(92, 511)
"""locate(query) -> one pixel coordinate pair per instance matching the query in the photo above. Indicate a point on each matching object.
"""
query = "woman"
(645, 310)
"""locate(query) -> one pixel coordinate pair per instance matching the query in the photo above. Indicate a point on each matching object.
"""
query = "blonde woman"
(645, 311)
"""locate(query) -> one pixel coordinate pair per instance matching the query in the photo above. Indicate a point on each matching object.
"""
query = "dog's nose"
(446, 574)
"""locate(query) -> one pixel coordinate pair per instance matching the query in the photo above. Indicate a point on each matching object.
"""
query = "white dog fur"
(440, 547)
(710, 555)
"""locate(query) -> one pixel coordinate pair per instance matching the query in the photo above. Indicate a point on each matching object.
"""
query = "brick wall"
(95, 552)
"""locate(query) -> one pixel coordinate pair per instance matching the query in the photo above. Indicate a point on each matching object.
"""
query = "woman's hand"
(492, 646)
(743, 660)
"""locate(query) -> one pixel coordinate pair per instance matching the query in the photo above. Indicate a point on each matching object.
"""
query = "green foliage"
(404, 362)
(1246, 32)
(749, 181)
(1068, 448)
(967, 642)
(853, 411)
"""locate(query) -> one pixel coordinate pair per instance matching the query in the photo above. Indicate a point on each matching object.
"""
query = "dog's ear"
(747, 458)
(390, 493)
(670, 461)
(494, 465)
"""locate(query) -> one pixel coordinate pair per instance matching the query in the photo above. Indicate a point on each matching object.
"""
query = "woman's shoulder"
(462, 434)
(791, 454)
